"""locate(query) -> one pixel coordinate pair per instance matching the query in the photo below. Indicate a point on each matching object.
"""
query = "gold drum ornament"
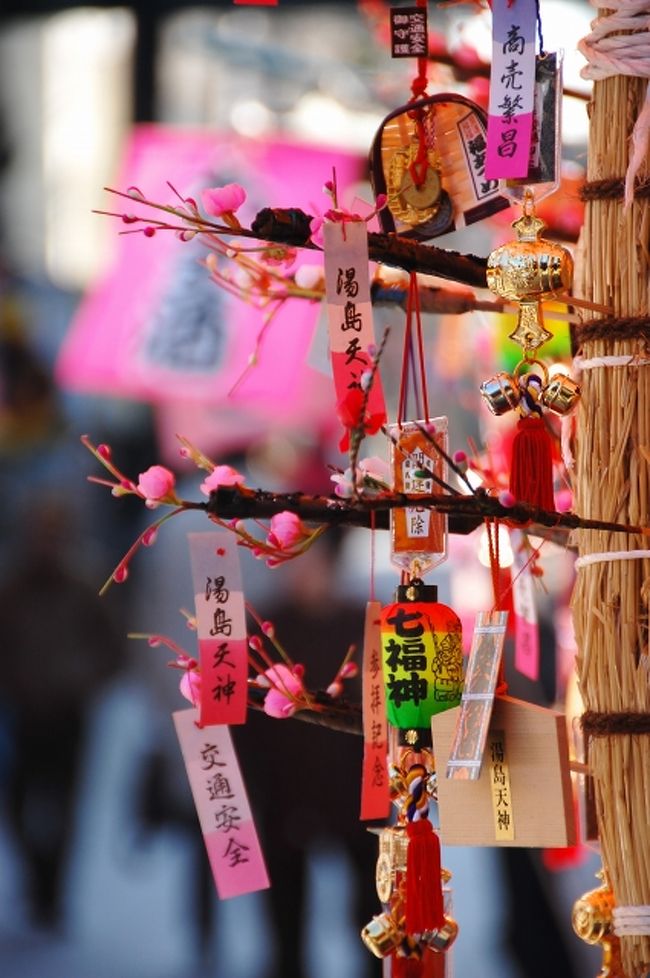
(526, 271)
(382, 935)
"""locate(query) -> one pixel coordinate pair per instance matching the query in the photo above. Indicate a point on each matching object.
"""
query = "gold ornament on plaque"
(414, 184)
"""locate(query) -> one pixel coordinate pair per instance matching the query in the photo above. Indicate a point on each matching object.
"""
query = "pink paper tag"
(221, 627)
(349, 310)
(512, 89)
(375, 798)
(523, 598)
(222, 806)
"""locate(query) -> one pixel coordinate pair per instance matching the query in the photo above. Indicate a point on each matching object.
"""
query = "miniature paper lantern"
(421, 657)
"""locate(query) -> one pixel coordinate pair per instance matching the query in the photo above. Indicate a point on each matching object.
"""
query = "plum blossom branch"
(286, 536)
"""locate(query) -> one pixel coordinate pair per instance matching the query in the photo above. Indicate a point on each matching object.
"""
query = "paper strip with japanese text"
(221, 627)
(512, 89)
(222, 806)
(375, 798)
(349, 310)
(523, 599)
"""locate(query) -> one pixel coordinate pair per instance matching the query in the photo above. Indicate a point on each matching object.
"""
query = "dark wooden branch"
(333, 714)
(291, 226)
(233, 502)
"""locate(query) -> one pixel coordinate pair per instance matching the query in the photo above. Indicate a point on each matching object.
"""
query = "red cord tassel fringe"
(424, 901)
(531, 473)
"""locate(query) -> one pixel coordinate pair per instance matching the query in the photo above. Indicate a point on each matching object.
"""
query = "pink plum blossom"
(156, 484)
(370, 471)
(286, 531)
(286, 689)
(221, 475)
(218, 201)
(190, 686)
(308, 276)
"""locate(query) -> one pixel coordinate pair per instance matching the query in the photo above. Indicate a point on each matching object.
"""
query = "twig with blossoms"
(286, 536)
(276, 687)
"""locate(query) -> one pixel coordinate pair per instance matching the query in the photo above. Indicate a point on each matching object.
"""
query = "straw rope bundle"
(612, 481)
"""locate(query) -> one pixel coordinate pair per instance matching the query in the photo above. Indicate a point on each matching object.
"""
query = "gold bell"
(500, 393)
(592, 915)
(382, 935)
(393, 847)
(526, 271)
(442, 938)
(561, 394)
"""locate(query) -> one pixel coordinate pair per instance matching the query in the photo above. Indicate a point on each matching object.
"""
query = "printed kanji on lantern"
(421, 656)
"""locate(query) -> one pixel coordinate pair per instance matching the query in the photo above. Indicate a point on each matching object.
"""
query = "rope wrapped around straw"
(612, 481)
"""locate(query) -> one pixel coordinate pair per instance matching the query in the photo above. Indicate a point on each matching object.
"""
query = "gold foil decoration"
(467, 749)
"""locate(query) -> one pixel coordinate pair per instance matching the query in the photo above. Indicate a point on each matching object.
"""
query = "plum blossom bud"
(283, 699)
(507, 499)
(286, 531)
(349, 670)
(218, 201)
(156, 484)
(221, 475)
(308, 276)
(149, 536)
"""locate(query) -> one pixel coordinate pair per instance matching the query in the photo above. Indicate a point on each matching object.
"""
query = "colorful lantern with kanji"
(421, 655)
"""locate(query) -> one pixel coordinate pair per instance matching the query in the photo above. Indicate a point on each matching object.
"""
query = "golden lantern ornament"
(528, 271)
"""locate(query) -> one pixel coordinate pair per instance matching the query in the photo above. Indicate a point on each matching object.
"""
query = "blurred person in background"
(59, 648)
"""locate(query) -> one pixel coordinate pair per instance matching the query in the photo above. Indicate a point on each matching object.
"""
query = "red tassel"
(424, 901)
(406, 967)
(531, 473)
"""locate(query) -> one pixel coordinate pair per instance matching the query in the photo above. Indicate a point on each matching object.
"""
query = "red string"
(419, 84)
(403, 382)
(418, 327)
(413, 312)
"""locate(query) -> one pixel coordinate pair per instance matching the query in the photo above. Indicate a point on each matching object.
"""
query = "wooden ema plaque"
(523, 796)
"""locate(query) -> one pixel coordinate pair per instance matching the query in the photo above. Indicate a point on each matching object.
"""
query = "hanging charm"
(527, 271)
(422, 656)
(418, 533)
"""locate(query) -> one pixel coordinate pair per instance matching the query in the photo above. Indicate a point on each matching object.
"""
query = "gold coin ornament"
(414, 185)
(428, 158)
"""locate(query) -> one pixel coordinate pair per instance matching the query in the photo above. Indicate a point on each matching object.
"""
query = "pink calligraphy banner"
(221, 627)
(512, 89)
(155, 327)
(375, 798)
(349, 310)
(222, 806)
(527, 650)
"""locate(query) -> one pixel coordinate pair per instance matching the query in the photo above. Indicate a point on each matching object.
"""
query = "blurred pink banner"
(155, 327)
